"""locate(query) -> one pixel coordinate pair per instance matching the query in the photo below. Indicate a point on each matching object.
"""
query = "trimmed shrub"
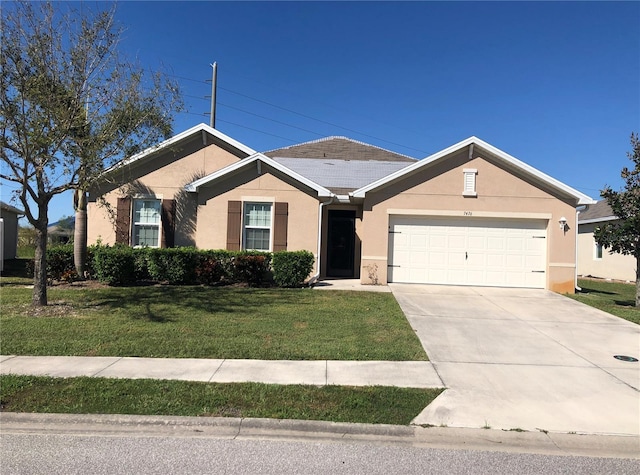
(291, 268)
(60, 263)
(252, 267)
(215, 267)
(174, 265)
(141, 264)
(115, 265)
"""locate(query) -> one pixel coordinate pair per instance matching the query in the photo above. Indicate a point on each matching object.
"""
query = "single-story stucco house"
(470, 214)
(593, 260)
(8, 231)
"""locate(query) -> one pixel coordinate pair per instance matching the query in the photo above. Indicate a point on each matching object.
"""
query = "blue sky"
(555, 84)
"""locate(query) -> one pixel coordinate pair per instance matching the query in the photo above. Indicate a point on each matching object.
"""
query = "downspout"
(576, 276)
(315, 278)
(582, 208)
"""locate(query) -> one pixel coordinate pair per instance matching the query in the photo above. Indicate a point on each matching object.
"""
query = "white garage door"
(471, 251)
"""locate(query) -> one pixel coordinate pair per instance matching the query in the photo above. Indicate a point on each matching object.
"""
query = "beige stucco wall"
(499, 194)
(163, 176)
(611, 266)
(250, 185)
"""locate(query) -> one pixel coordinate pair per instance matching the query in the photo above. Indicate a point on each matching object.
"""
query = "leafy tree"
(70, 107)
(623, 236)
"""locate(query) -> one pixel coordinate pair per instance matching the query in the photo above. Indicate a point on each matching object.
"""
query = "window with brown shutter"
(123, 220)
(234, 225)
(168, 223)
(280, 224)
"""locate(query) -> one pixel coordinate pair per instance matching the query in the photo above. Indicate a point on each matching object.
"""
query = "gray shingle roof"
(599, 211)
(340, 164)
(341, 176)
(339, 148)
(9, 208)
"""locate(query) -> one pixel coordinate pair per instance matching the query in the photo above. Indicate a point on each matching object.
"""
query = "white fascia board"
(181, 136)
(598, 220)
(246, 162)
(581, 198)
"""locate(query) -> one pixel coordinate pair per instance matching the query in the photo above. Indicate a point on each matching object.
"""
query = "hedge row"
(123, 265)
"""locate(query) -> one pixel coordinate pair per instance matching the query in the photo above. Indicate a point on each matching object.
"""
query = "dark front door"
(341, 243)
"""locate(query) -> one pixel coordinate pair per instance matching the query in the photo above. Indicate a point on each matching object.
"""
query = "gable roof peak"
(509, 160)
(338, 147)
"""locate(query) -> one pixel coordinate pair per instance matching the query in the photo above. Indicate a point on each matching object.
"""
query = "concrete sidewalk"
(406, 374)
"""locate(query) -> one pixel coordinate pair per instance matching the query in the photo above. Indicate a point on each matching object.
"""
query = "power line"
(259, 131)
(296, 113)
(320, 120)
(272, 120)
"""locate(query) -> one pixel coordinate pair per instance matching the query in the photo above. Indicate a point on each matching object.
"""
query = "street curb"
(111, 425)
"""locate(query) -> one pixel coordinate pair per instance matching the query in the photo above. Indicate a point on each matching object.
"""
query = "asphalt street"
(53, 454)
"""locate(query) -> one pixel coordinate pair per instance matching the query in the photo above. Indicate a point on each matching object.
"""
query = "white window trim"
(270, 227)
(469, 173)
(135, 223)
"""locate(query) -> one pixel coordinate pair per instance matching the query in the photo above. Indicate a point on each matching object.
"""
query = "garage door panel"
(477, 243)
(495, 243)
(468, 251)
(456, 242)
(438, 259)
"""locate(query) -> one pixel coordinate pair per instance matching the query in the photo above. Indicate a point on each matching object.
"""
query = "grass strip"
(373, 404)
(616, 298)
(205, 322)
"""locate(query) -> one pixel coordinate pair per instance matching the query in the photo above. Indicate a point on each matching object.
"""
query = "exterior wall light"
(563, 223)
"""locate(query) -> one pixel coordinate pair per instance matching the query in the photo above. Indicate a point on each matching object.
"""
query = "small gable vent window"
(469, 182)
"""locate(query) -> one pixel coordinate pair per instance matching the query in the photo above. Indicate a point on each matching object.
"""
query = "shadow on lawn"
(592, 290)
(157, 303)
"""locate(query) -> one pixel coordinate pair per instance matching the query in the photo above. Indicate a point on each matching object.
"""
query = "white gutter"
(315, 278)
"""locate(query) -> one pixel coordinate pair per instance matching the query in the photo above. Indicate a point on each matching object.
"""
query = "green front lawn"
(205, 322)
(374, 405)
(615, 298)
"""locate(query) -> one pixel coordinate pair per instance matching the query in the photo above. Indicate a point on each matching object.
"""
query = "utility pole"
(214, 79)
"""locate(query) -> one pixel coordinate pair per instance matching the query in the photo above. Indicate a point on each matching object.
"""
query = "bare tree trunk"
(39, 296)
(80, 233)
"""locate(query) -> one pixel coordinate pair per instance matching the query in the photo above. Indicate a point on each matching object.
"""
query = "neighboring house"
(470, 214)
(8, 231)
(593, 260)
(61, 232)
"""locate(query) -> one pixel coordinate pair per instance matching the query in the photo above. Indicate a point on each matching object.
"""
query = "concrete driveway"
(525, 359)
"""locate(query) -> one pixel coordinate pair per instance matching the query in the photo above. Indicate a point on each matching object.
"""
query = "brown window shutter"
(168, 223)
(234, 223)
(123, 220)
(280, 224)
